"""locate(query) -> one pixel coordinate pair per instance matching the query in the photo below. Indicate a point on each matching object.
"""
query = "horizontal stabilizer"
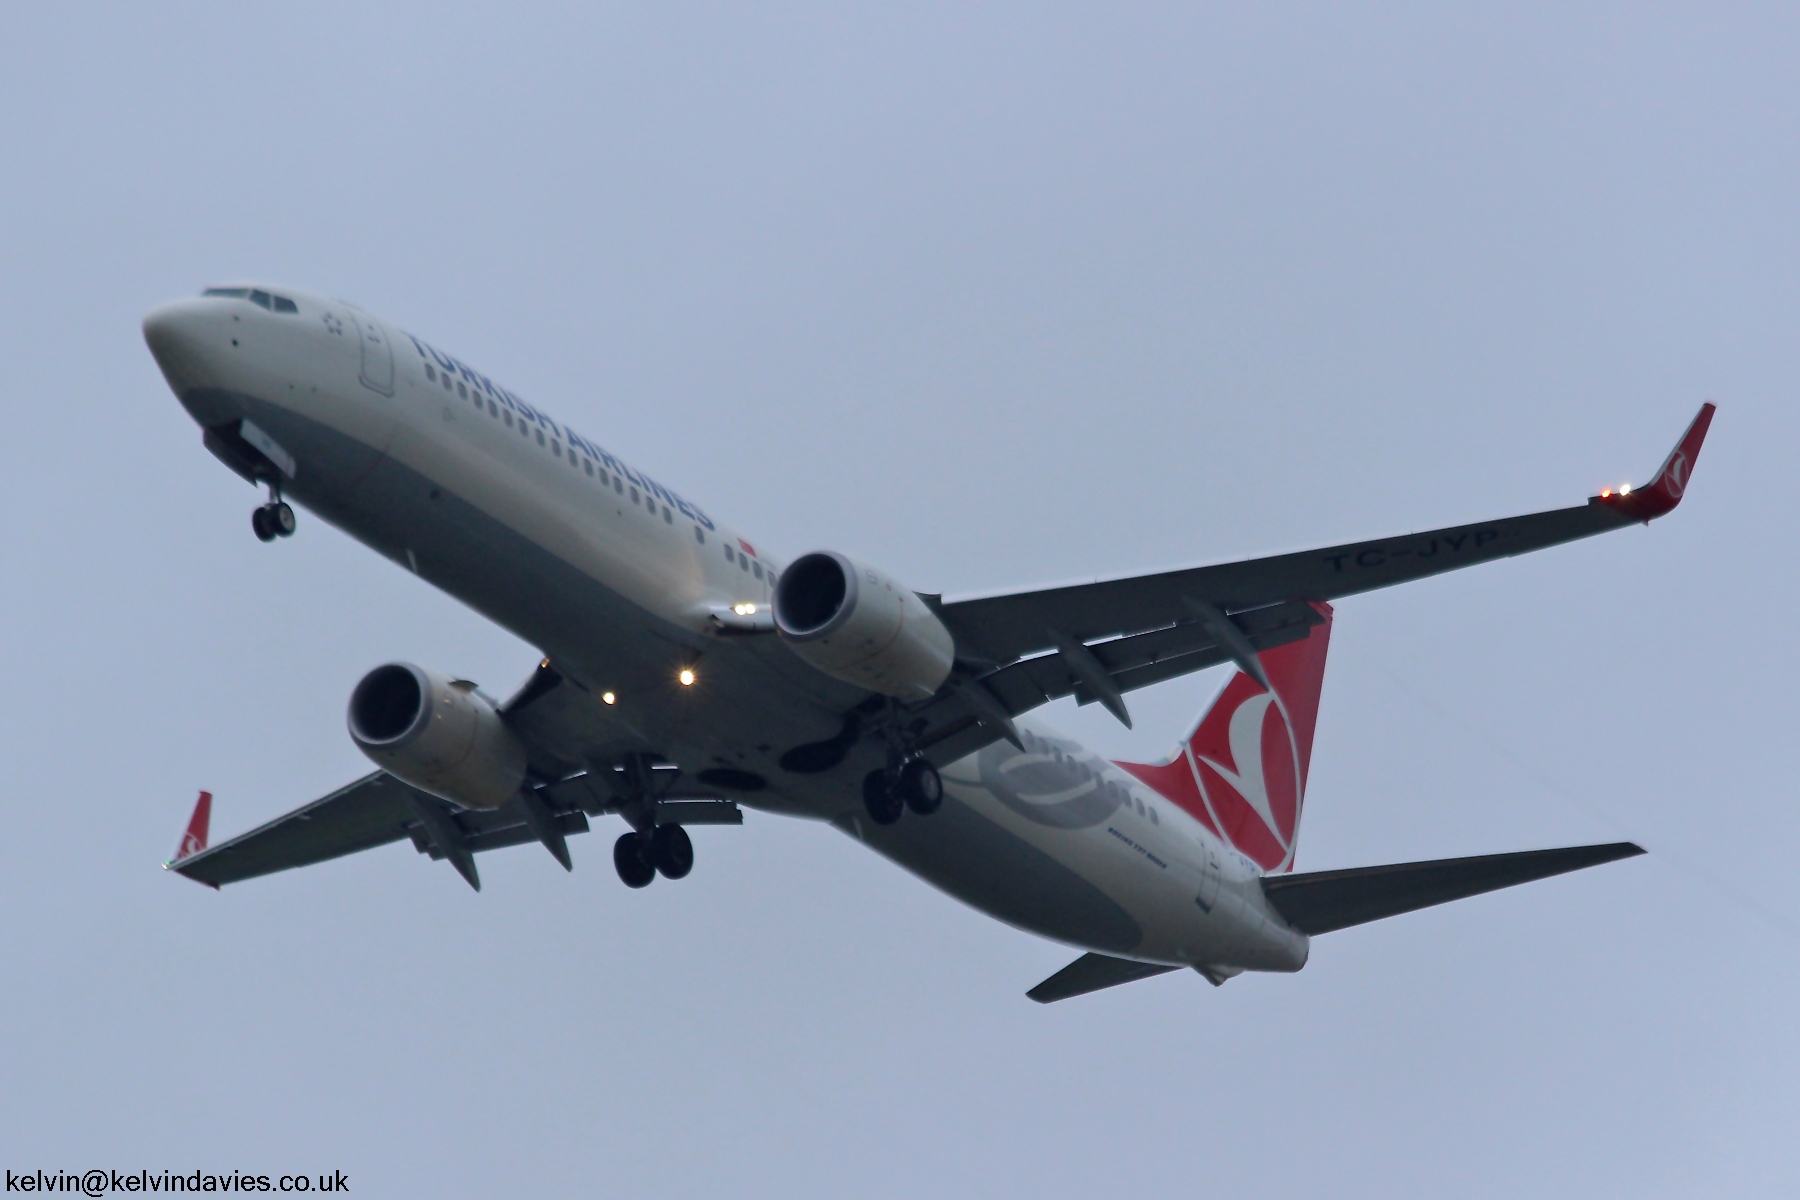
(1323, 901)
(1090, 973)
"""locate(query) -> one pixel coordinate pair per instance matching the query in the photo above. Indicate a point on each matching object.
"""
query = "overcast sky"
(990, 296)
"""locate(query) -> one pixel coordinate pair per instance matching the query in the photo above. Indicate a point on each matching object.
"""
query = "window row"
(746, 563)
(554, 444)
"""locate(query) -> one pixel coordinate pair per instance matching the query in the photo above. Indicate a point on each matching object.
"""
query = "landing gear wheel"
(672, 851)
(281, 519)
(259, 521)
(880, 798)
(920, 786)
(634, 867)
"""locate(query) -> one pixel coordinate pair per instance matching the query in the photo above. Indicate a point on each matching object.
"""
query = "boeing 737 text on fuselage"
(688, 673)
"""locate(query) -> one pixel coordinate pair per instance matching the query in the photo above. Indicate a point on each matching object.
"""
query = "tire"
(259, 521)
(281, 520)
(884, 805)
(635, 870)
(921, 787)
(672, 850)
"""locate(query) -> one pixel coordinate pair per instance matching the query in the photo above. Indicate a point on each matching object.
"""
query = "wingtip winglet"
(1665, 491)
(194, 840)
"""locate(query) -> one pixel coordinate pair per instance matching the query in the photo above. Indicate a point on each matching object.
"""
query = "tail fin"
(194, 840)
(1242, 771)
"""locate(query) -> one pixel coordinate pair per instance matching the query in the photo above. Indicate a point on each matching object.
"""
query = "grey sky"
(990, 297)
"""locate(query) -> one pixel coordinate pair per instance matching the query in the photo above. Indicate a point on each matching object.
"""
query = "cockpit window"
(273, 303)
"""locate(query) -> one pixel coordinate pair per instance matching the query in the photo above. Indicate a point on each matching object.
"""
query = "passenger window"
(284, 305)
(262, 298)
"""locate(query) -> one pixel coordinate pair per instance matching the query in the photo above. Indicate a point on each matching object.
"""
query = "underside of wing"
(371, 812)
(1097, 641)
(378, 809)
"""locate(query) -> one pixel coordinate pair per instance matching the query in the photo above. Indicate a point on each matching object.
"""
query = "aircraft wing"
(378, 809)
(1003, 629)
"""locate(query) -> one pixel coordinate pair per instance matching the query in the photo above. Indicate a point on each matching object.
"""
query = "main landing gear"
(639, 856)
(650, 849)
(274, 519)
(909, 783)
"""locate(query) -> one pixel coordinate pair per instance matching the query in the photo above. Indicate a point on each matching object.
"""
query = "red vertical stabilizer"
(1242, 771)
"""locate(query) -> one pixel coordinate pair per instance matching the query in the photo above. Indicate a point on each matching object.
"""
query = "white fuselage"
(624, 584)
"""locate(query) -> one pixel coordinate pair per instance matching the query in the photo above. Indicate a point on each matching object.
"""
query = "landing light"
(744, 610)
(1625, 489)
(608, 698)
(686, 677)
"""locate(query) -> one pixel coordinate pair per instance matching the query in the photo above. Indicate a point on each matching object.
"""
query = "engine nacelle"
(438, 734)
(855, 624)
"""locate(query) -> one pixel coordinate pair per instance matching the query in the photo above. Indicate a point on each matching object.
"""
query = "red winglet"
(1665, 491)
(194, 840)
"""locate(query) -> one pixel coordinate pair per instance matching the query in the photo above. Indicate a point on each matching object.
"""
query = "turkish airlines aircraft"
(687, 671)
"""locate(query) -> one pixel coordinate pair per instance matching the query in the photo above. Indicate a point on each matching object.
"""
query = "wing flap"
(1326, 901)
(1131, 662)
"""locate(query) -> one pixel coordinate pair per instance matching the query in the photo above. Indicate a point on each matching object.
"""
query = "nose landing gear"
(274, 519)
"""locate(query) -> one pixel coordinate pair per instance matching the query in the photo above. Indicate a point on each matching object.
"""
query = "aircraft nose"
(176, 335)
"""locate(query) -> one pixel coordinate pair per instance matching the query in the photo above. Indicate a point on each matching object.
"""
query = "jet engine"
(855, 624)
(438, 734)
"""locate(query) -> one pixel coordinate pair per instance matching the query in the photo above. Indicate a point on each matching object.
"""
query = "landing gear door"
(377, 354)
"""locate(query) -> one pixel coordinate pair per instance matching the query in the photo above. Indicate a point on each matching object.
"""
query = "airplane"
(688, 673)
